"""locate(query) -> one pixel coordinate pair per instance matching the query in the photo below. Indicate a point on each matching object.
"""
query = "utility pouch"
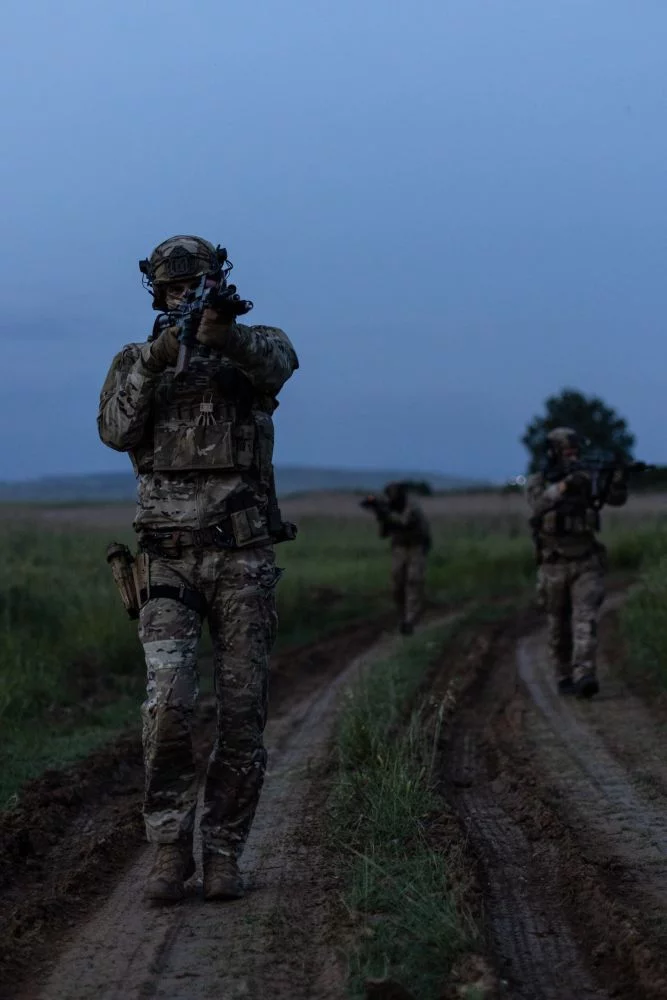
(248, 527)
(122, 564)
(287, 532)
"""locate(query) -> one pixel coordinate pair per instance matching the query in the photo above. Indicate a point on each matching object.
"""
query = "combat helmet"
(563, 437)
(178, 259)
(559, 439)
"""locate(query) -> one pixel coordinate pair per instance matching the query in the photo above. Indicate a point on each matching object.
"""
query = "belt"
(218, 536)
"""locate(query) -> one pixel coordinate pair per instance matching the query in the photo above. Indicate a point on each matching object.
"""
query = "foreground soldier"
(201, 444)
(572, 561)
(404, 523)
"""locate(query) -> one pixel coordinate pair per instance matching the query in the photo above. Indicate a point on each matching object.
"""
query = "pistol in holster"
(130, 575)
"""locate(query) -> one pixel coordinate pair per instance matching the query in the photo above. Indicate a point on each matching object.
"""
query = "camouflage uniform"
(403, 521)
(571, 571)
(201, 446)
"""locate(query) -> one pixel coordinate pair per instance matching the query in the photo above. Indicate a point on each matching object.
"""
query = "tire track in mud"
(534, 948)
(565, 806)
(628, 822)
(271, 943)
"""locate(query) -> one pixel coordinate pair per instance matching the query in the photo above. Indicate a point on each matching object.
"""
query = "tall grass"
(404, 896)
(70, 661)
(643, 618)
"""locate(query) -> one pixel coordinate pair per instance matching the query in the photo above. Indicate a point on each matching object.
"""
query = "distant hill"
(110, 487)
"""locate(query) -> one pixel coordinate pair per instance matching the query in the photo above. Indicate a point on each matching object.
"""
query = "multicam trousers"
(408, 574)
(239, 589)
(573, 591)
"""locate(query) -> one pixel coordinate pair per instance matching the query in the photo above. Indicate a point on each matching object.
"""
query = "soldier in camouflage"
(201, 445)
(572, 561)
(403, 521)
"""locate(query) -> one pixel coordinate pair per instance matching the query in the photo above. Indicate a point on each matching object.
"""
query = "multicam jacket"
(407, 528)
(563, 525)
(198, 441)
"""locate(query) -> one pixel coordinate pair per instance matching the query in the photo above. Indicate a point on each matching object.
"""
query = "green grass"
(404, 896)
(70, 659)
(67, 649)
(32, 750)
(643, 618)
(338, 569)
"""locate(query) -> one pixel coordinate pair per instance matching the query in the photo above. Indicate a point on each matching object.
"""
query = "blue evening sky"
(453, 207)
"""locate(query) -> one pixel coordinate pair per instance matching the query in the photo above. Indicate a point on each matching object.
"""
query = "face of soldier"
(569, 453)
(176, 291)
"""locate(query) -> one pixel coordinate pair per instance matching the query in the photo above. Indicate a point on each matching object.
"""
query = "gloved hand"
(164, 349)
(214, 330)
(618, 477)
(576, 482)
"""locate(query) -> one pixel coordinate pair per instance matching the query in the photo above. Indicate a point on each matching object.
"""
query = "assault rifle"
(212, 292)
(600, 466)
(378, 505)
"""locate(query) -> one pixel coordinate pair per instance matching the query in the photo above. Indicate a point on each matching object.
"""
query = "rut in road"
(625, 812)
(271, 943)
(534, 949)
(565, 804)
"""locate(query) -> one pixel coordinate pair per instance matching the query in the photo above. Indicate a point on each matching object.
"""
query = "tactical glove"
(164, 350)
(577, 482)
(214, 330)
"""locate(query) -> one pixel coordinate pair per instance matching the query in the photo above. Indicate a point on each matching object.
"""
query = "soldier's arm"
(425, 529)
(264, 353)
(618, 489)
(405, 519)
(542, 496)
(126, 398)
(411, 517)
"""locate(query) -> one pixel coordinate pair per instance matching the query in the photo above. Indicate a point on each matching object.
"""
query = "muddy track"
(76, 832)
(275, 941)
(565, 807)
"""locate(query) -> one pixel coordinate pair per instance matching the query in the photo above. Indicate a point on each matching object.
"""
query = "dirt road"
(565, 807)
(562, 806)
(270, 944)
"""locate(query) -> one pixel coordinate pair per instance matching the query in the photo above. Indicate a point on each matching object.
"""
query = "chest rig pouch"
(570, 522)
(203, 419)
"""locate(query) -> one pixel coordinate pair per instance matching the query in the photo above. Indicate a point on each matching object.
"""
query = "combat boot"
(222, 878)
(587, 686)
(406, 628)
(173, 865)
(566, 686)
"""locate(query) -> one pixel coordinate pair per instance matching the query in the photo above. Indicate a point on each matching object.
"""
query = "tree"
(596, 423)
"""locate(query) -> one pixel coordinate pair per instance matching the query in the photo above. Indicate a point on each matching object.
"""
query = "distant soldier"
(404, 523)
(200, 437)
(572, 561)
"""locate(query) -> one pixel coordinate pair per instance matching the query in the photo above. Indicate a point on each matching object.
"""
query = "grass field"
(404, 895)
(72, 671)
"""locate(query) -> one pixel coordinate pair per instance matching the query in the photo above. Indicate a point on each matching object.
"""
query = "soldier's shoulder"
(127, 356)
(266, 331)
(275, 335)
